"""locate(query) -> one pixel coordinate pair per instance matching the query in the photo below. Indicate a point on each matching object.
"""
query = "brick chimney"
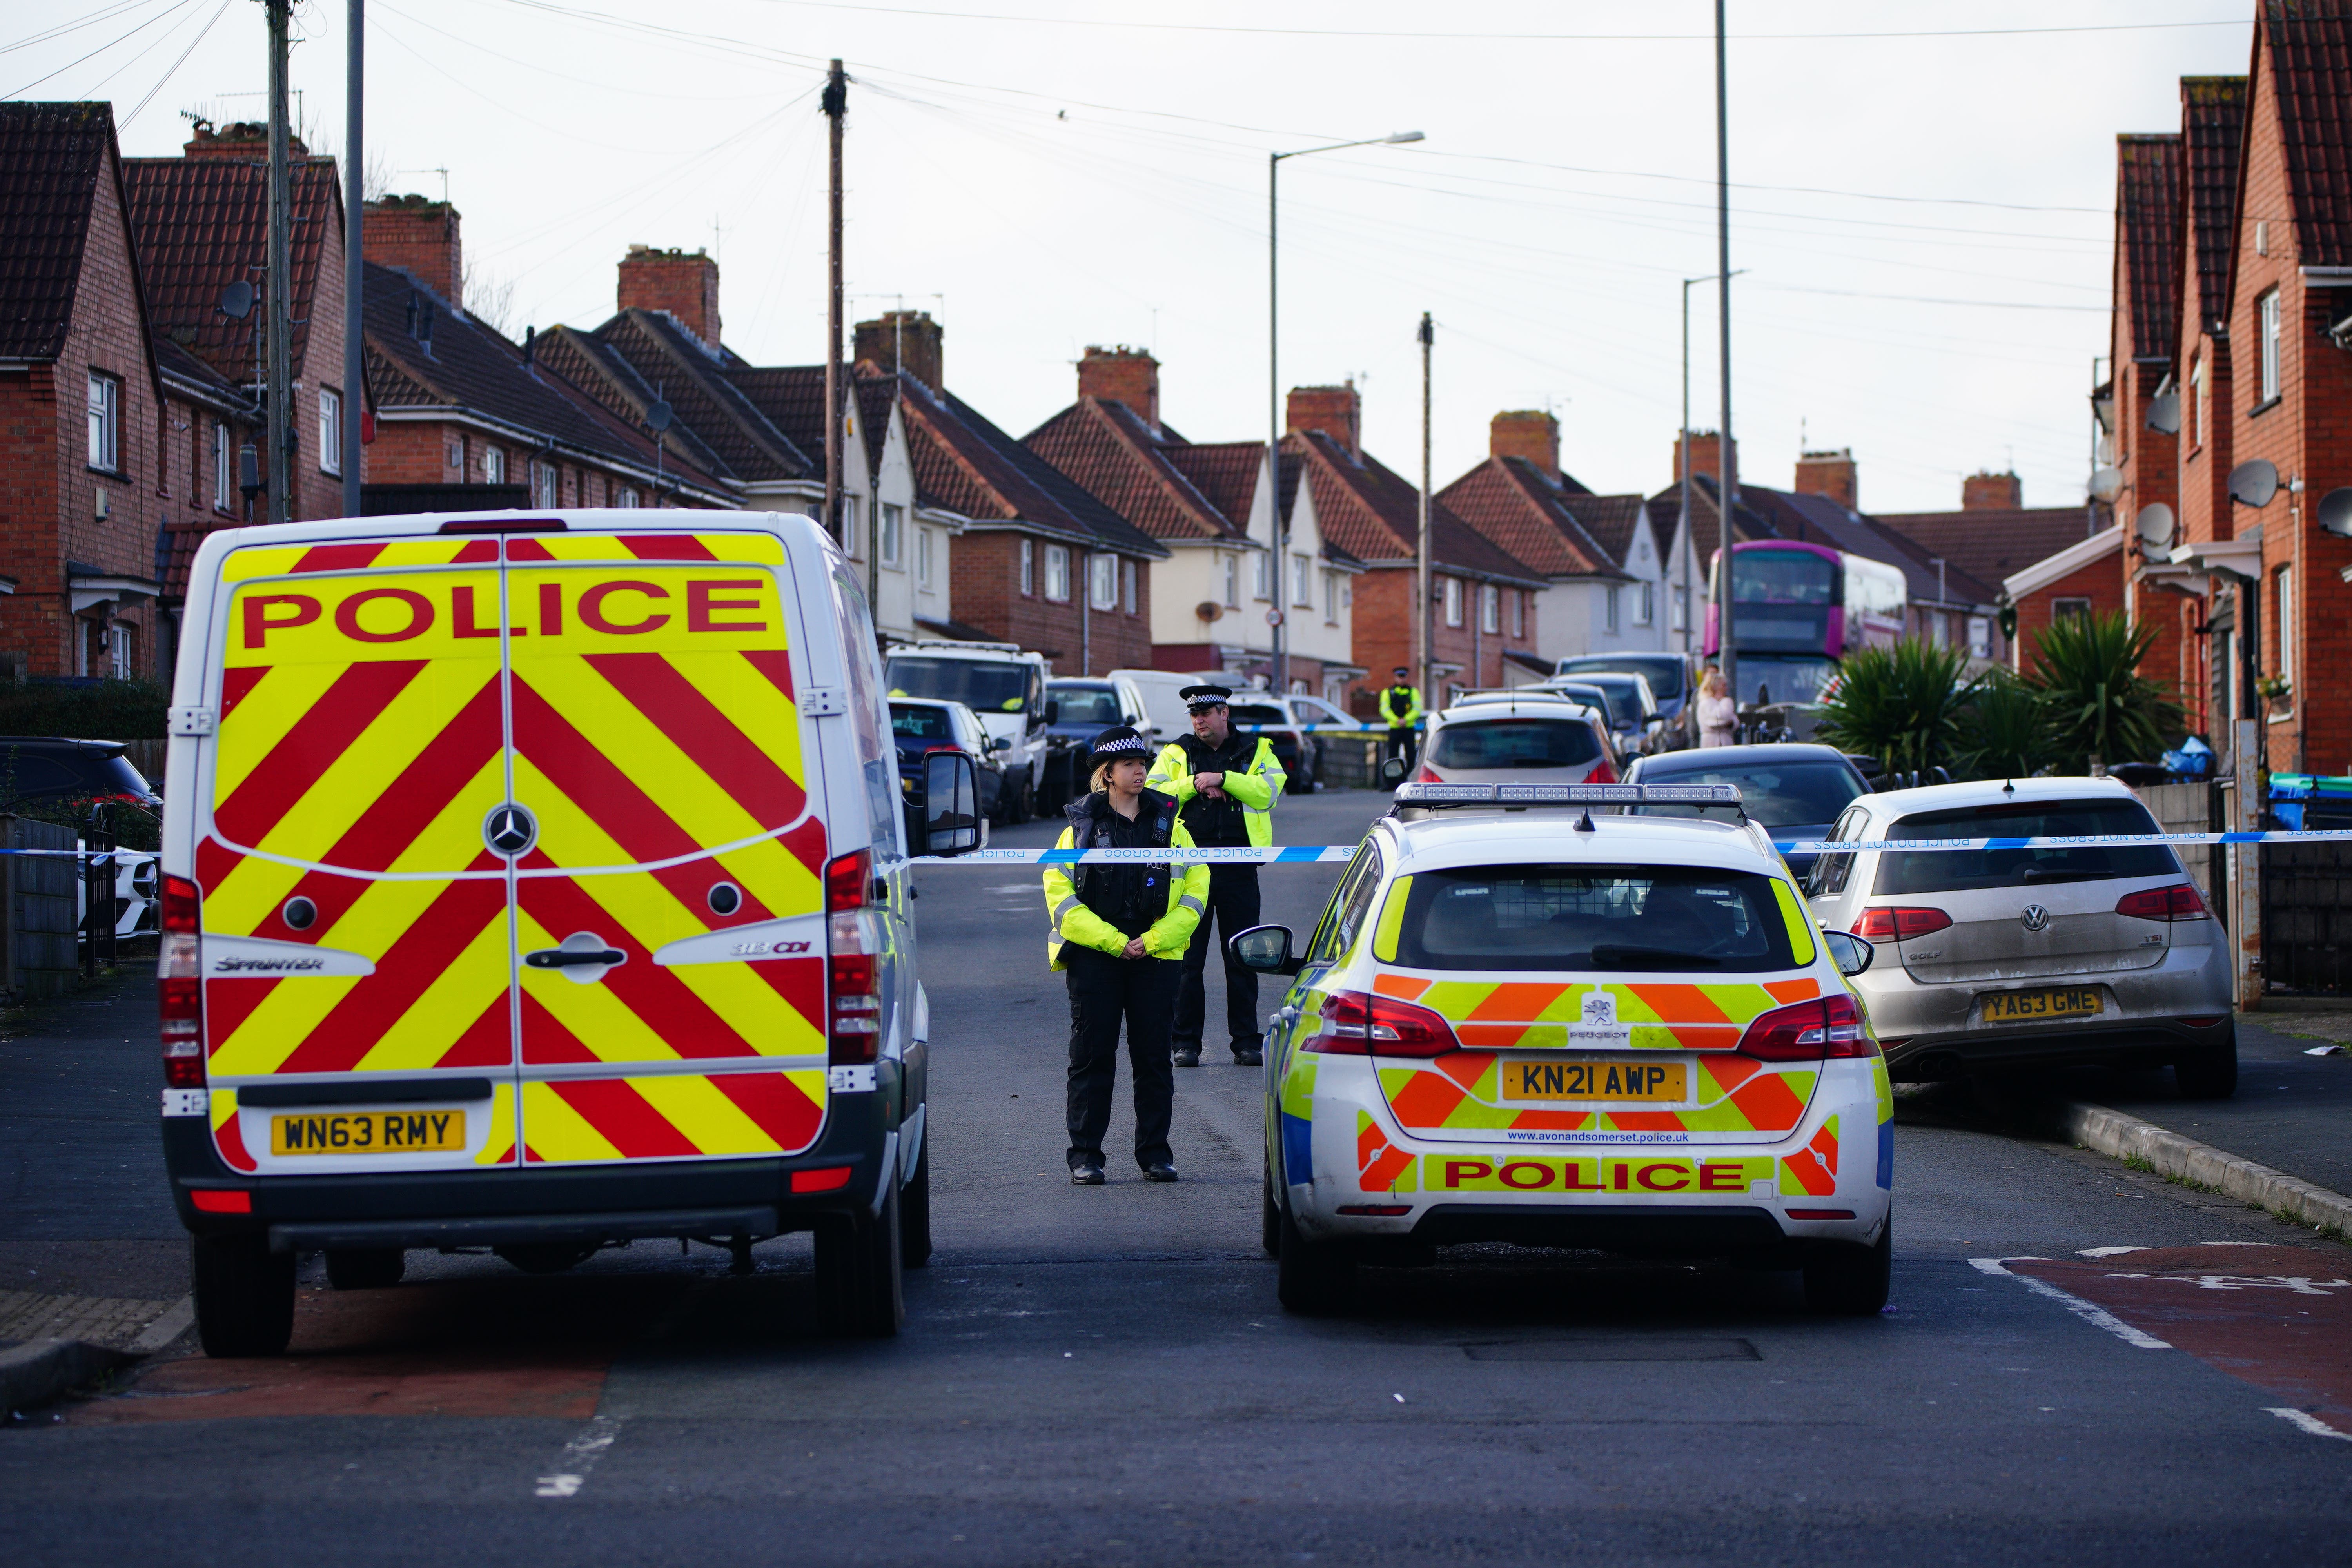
(902, 340)
(1530, 433)
(1704, 448)
(419, 235)
(1124, 376)
(244, 139)
(1829, 474)
(683, 285)
(1337, 411)
(1992, 492)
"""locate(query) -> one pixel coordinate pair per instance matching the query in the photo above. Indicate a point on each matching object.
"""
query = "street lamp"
(1280, 573)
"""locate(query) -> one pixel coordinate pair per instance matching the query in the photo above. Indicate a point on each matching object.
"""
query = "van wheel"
(244, 1296)
(858, 1272)
(547, 1257)
(365, 1268)
(915, 1209)
(1313, 1281)
(2209, 1075)
(1851, 1281)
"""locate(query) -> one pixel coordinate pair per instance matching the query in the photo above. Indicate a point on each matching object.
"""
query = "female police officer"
(1119, 933)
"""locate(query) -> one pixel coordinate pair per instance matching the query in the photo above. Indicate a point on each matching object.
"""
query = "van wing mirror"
(1852, 954)
(1052, 712)
(950, 808)
(1265, 950)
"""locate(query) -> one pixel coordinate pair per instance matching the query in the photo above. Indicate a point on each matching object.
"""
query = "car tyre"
(1270, 1220)
(915, 1209)
(1849, 1282)
(2210, 1074)
(244, 1296)
(1311, 1280)
(859, 1272)
(365, 1268)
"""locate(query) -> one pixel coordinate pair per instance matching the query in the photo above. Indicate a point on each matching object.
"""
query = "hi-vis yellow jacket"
(1168, 937)
(1257, 787)
(1397, 713)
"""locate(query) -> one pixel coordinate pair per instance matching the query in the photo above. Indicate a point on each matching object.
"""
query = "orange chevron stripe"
(1516, 1000)
(1802, 989)
(1399, 985)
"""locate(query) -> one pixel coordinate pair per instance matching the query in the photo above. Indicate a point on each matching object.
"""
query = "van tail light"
(179, 969)
(2180, 901)
(1899, 924)
(1359, 1024)
(1810, 1032)
(852, 952)
(1602, 773)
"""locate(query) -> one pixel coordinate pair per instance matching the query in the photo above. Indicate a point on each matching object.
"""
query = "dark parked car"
(50, 767)
(1670, 684)
(1795, 791)
(921, 726)
(1076, 710)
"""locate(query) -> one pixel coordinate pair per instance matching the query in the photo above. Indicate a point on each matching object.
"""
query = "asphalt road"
(1102, 1376)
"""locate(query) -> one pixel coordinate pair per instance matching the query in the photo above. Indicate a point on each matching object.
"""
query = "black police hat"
(1200, 699)
(1401, 673)
(1118, 740)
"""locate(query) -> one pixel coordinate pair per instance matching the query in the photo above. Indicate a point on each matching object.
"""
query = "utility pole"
(354, 340)
(281, 390)
(1281, 644)
(1420, 545)
(1727, 467)
(835, 104)
(1681, 478)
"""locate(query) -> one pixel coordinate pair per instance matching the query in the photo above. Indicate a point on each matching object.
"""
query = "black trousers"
(1103, 991)
(1400, 744)
(1233, 902)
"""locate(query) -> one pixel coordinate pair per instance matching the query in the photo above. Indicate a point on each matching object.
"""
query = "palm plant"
(2095, 702)
(2002, 733)
(1902, 705)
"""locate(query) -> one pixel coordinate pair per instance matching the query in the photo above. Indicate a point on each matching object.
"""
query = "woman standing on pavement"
(1119, 934)
(1719, 715)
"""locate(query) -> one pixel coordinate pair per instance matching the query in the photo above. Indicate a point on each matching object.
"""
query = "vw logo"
(2034, 917)
(509, 829)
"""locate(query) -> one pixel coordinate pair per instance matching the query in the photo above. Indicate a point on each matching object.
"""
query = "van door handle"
(564, 958)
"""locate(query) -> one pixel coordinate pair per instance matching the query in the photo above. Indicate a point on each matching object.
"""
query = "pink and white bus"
(1799, 608)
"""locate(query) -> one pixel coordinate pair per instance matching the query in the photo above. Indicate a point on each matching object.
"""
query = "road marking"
(580, 1457)
(2106, 1251)
(2309, 1423)
(2096, 1315)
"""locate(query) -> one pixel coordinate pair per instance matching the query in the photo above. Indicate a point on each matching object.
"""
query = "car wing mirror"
(1392, 770)
(1001, 744)
(1265, 950)
(950, 808)
(1852, 954)
(1053, 713)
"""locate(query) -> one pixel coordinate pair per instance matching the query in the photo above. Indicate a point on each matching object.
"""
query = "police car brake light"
(1360, 1024)
(1812, 1031)
(179, 965)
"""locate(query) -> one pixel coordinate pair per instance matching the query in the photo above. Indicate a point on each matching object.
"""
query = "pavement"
(2082, 1362)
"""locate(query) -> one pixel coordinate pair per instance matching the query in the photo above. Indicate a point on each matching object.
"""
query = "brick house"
(1994, 536)
(84, 447)
(2084, 578)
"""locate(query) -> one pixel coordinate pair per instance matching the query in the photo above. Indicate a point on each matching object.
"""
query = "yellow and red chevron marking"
(1518, 1015)
(1381, 1167)
(1812, 1171)
(623, 546)
(1462, 1091)
(221, 1107)
(671, 1116)
(283, 560)
(1557, 1174)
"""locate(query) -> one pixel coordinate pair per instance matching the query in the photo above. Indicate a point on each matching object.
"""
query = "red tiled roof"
(1513, 502)
(2212, 117)
(1610, 519)
(2148, 239)
(1992, 545)
(51, 157)
(1373, 514)
(1107, 448)
(1227, 473)
(741, 439)
(203, 223)
(2311, 60)
(965, 464)
(1706, 525)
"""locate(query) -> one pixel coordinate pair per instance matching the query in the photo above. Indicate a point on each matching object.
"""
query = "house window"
(2270, 304)
(1302, 581)
(1679, 606)
(894, 519)
(627, 499)
(2283, 620)
(849, 541)
(923, 537)
(1057, 573)
(1520, 613)
(105, 422)
(1028, 569)
(2197, 391)
(1453, 601)
(2062, 608)
(331, 431)
(1230, 568)
(1646, 608)
(1261, 575)
(1102, 582)
(118, 651)
(494, 466)
(1490, 608)
(1939, 629)
(1612, 596)
(1979, 636)
(1331, 598)
(457, 456)
(224, 467)
(1133, 599)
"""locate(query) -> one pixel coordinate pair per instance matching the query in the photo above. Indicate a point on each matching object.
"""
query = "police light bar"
(1567, 795)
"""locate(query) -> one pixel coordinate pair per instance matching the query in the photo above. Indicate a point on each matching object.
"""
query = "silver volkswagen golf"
(1999, 958)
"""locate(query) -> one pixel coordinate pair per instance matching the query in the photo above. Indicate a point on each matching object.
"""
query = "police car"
(1523, 1020)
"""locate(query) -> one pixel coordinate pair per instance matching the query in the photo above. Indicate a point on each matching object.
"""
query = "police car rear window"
(1953, 871)
(1591, 919)
(1516, 743)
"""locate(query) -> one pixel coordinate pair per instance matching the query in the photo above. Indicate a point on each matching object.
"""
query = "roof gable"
(1371, 512)
(1106, 448)
(1515, 504)
(51, 158)
(2148, 239)
(203, 223)
(2212, 118)
(965, 464)
(2309, 44)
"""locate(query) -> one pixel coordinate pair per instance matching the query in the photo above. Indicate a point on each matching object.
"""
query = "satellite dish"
(236, 301)
(657, 416)
(2155, 524)
(2106, 484)
(2164, 415)
(2335, 511)
(1210, 610)
(2255, 482)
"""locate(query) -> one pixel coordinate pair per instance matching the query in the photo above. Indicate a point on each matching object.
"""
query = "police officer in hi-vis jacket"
(1227, 785)
(1400, 711)
(1119, 933)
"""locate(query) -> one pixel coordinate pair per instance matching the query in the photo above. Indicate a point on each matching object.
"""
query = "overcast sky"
(1925, 220)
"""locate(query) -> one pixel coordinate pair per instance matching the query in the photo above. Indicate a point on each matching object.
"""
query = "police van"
(535, 884)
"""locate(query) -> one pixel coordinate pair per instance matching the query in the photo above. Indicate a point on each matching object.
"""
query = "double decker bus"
(1798, 609)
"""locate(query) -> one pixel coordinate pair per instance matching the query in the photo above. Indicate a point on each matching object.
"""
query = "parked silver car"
(1516, 738)
(2010, 957)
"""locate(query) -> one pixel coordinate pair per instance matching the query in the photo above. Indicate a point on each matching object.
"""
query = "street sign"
(1274, 617)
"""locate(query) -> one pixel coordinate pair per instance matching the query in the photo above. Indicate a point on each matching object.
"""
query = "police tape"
(1331, 853)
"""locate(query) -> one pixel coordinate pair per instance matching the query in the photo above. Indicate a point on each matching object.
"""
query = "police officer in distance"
(1119, 932)
(1400, 711)
(1228, 785)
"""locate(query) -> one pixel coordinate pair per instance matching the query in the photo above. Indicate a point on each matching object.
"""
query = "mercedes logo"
(2034, 917)
(510, 830)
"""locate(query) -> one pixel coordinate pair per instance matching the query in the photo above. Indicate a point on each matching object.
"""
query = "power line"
(202, 33)
(119, 38)
(60, 30)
